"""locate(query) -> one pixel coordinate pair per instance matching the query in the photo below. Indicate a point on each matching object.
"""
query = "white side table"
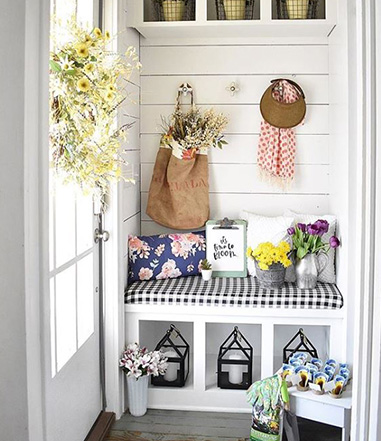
(323, 408)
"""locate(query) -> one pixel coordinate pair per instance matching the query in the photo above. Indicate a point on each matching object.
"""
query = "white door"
(72, 389)
(73, 396)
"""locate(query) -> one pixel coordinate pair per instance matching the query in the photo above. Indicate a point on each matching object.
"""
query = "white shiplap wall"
(130, 114)
(210, 68)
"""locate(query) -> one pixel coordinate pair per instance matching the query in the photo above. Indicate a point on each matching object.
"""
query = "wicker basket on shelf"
(297, 9)
(235, 9)
(174, 10)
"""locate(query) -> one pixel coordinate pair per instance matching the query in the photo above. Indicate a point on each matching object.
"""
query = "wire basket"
(174, 10)
(235, 9)
(297, 9)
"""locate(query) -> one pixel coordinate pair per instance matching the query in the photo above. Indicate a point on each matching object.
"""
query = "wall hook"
(185, 88)
(232, 88)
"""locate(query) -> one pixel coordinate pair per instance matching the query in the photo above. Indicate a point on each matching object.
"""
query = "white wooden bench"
(206, 315)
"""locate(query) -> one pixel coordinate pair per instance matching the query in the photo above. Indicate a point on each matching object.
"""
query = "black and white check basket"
(231, 291)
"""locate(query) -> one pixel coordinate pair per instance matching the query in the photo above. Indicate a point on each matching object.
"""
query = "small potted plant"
(271, 262)
(138, 364)
(206, 270)
(311, 251)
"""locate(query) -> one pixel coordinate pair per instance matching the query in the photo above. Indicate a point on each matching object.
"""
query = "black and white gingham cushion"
(231, 291)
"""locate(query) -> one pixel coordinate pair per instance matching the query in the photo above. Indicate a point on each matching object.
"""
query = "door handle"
(101, 235)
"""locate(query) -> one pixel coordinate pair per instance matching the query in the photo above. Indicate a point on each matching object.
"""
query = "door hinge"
(101, 235)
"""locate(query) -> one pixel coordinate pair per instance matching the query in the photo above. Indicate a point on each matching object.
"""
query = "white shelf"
(241, 29)
(344, 402)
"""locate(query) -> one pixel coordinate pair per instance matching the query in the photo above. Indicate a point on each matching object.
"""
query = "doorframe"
(36, 200)
(114, 316)
(367, 345)
(36, 127)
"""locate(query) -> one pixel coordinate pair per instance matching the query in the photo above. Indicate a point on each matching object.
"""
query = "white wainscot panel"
(132, 135)
(149, 228)
(231, 205)
(130, 37)
(235, 60)
(131, 199)
(131, 226)
(243, 119)
(211, 89)
(129, 109)
(242, 149)
(243, 178)
(131, 190)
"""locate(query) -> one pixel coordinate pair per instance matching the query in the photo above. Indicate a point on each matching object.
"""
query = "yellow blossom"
(88, 39)
(267, 254)
(111, 88)
(83, 84)
(107, 35)
(89, 68)
(82, 50)
(109, 96)
(98, 33)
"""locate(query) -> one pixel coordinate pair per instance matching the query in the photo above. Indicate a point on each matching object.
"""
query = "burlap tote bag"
(179, 191)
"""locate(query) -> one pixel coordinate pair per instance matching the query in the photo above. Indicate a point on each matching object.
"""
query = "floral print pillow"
(166, 256)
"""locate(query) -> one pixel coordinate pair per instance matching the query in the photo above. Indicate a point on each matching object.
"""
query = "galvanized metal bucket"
(271, 278)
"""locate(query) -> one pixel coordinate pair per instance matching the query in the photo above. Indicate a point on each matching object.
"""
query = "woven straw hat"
(283, 115)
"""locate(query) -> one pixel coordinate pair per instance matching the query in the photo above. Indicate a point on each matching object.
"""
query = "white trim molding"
(37, 21)
(366, 405)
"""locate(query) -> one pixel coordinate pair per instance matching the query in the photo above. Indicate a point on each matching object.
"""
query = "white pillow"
(264, 229)
(328, 275)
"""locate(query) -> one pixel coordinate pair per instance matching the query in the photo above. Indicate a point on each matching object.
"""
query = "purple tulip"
(313, 229)
(334, 242)
(291, 231)
(323, 226)
(302, 227)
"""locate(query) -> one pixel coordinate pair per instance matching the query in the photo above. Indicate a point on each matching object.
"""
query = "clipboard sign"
(226, 247)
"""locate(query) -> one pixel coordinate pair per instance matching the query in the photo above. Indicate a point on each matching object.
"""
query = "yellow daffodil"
(98, 33)
(82, 50)
(89, 68)
(107, 35)
(83, 85)
(111, 88)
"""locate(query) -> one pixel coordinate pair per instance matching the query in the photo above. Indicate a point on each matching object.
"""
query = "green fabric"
(259, 436)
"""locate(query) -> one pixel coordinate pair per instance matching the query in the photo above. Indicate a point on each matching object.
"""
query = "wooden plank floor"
(171, 425)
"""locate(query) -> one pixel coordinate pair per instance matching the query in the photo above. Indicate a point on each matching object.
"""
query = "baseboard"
(101, 426)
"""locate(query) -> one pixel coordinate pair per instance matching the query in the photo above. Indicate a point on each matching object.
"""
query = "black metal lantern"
(178, 359)
(303, 345)
(236, 353)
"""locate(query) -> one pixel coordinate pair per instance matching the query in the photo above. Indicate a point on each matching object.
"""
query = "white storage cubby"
(140, 15)
(216, 334)
(205, 328)
(318, 335)
(151, 332)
